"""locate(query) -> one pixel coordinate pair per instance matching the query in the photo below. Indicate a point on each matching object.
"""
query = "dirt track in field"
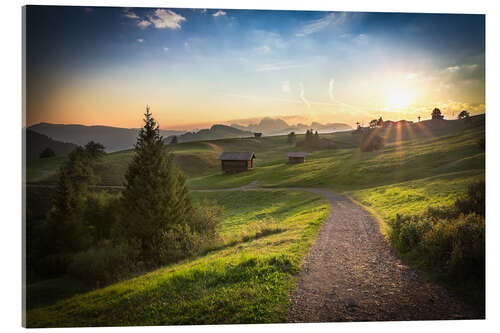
(352, 274)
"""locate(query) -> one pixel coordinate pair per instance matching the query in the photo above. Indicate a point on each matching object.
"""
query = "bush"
(449, 240)
(371, 142)
(106, 262)
(185, 240)
(207, 218)
(47, 152)
(474, 201)
(178, 243)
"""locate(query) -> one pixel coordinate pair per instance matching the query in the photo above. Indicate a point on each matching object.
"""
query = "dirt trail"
(352, 274)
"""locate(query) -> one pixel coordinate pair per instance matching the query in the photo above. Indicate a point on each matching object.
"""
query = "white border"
(10, 181)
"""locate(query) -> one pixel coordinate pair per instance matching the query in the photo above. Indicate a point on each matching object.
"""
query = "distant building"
(236, 161)
(257, 135)
(296, 157)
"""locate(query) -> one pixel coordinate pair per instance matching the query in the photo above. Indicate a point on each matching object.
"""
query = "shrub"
(448, 240)
(474, 201)
(106, 262)
(207, 218)
(47, 152)
(172, 245)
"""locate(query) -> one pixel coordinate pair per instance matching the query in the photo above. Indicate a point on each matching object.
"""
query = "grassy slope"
(418, 167)
(247, 282)
(194, 158)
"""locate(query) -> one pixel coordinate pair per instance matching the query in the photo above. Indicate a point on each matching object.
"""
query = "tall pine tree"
(155, 198)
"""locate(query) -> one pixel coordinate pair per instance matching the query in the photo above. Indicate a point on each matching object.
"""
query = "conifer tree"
(155, 198)
(67, 231)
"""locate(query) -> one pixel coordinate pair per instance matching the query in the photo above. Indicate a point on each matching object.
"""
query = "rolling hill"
(36, 143)
(113, 138)
(213, 133)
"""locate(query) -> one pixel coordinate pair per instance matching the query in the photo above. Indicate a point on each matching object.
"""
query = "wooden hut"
(296, 157)
(236, 161)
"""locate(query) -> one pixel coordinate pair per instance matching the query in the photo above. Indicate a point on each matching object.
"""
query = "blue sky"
(196, 67)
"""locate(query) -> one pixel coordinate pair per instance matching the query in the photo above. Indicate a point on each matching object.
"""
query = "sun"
(399, 99)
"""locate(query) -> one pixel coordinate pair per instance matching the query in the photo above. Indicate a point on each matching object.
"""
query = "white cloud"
(330, 89)
(166, 19)
(471, 67)
(143, 24)
(165, 49)
(219, 13)
(277, 67)
(453, 69)
(131, 15)
(302, 97)
(285, 87)
(331, 19)
(140, 40)
(203, 11)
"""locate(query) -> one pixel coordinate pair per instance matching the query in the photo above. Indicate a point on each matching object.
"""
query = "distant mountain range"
(113, 138)
(116, 138)
(270, 126)
(213, 133)
(36, 143)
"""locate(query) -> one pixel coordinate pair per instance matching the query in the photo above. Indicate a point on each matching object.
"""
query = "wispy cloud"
(277, 67)
(165, 49)
(330, 89)
(140, 40)
(332, 19)
(264, 99)
(166, 19)
(219, 13)
(302, 95)
(131, 15)
(452, 69)
(285, 87)
(262, 49)
(143, 24)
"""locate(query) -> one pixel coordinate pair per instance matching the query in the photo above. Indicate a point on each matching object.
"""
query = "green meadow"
(246, 280)
(266, 234)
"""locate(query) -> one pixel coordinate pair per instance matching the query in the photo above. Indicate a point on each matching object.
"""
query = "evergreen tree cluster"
(96, 236)
(312, 139)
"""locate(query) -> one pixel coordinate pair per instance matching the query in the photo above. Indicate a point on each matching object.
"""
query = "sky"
(198, 67)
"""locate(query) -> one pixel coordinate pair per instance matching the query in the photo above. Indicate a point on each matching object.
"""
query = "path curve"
(352, 274)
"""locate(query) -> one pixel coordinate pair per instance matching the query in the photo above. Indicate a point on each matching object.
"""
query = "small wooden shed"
(296, 157)
(236, 161)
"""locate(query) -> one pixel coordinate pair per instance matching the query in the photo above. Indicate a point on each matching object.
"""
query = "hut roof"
(296, 154)
(236, 155)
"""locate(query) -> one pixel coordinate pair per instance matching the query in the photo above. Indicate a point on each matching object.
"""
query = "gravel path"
(352, 274)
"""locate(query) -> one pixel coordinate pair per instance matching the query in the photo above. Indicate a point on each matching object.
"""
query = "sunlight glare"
(399, 99)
